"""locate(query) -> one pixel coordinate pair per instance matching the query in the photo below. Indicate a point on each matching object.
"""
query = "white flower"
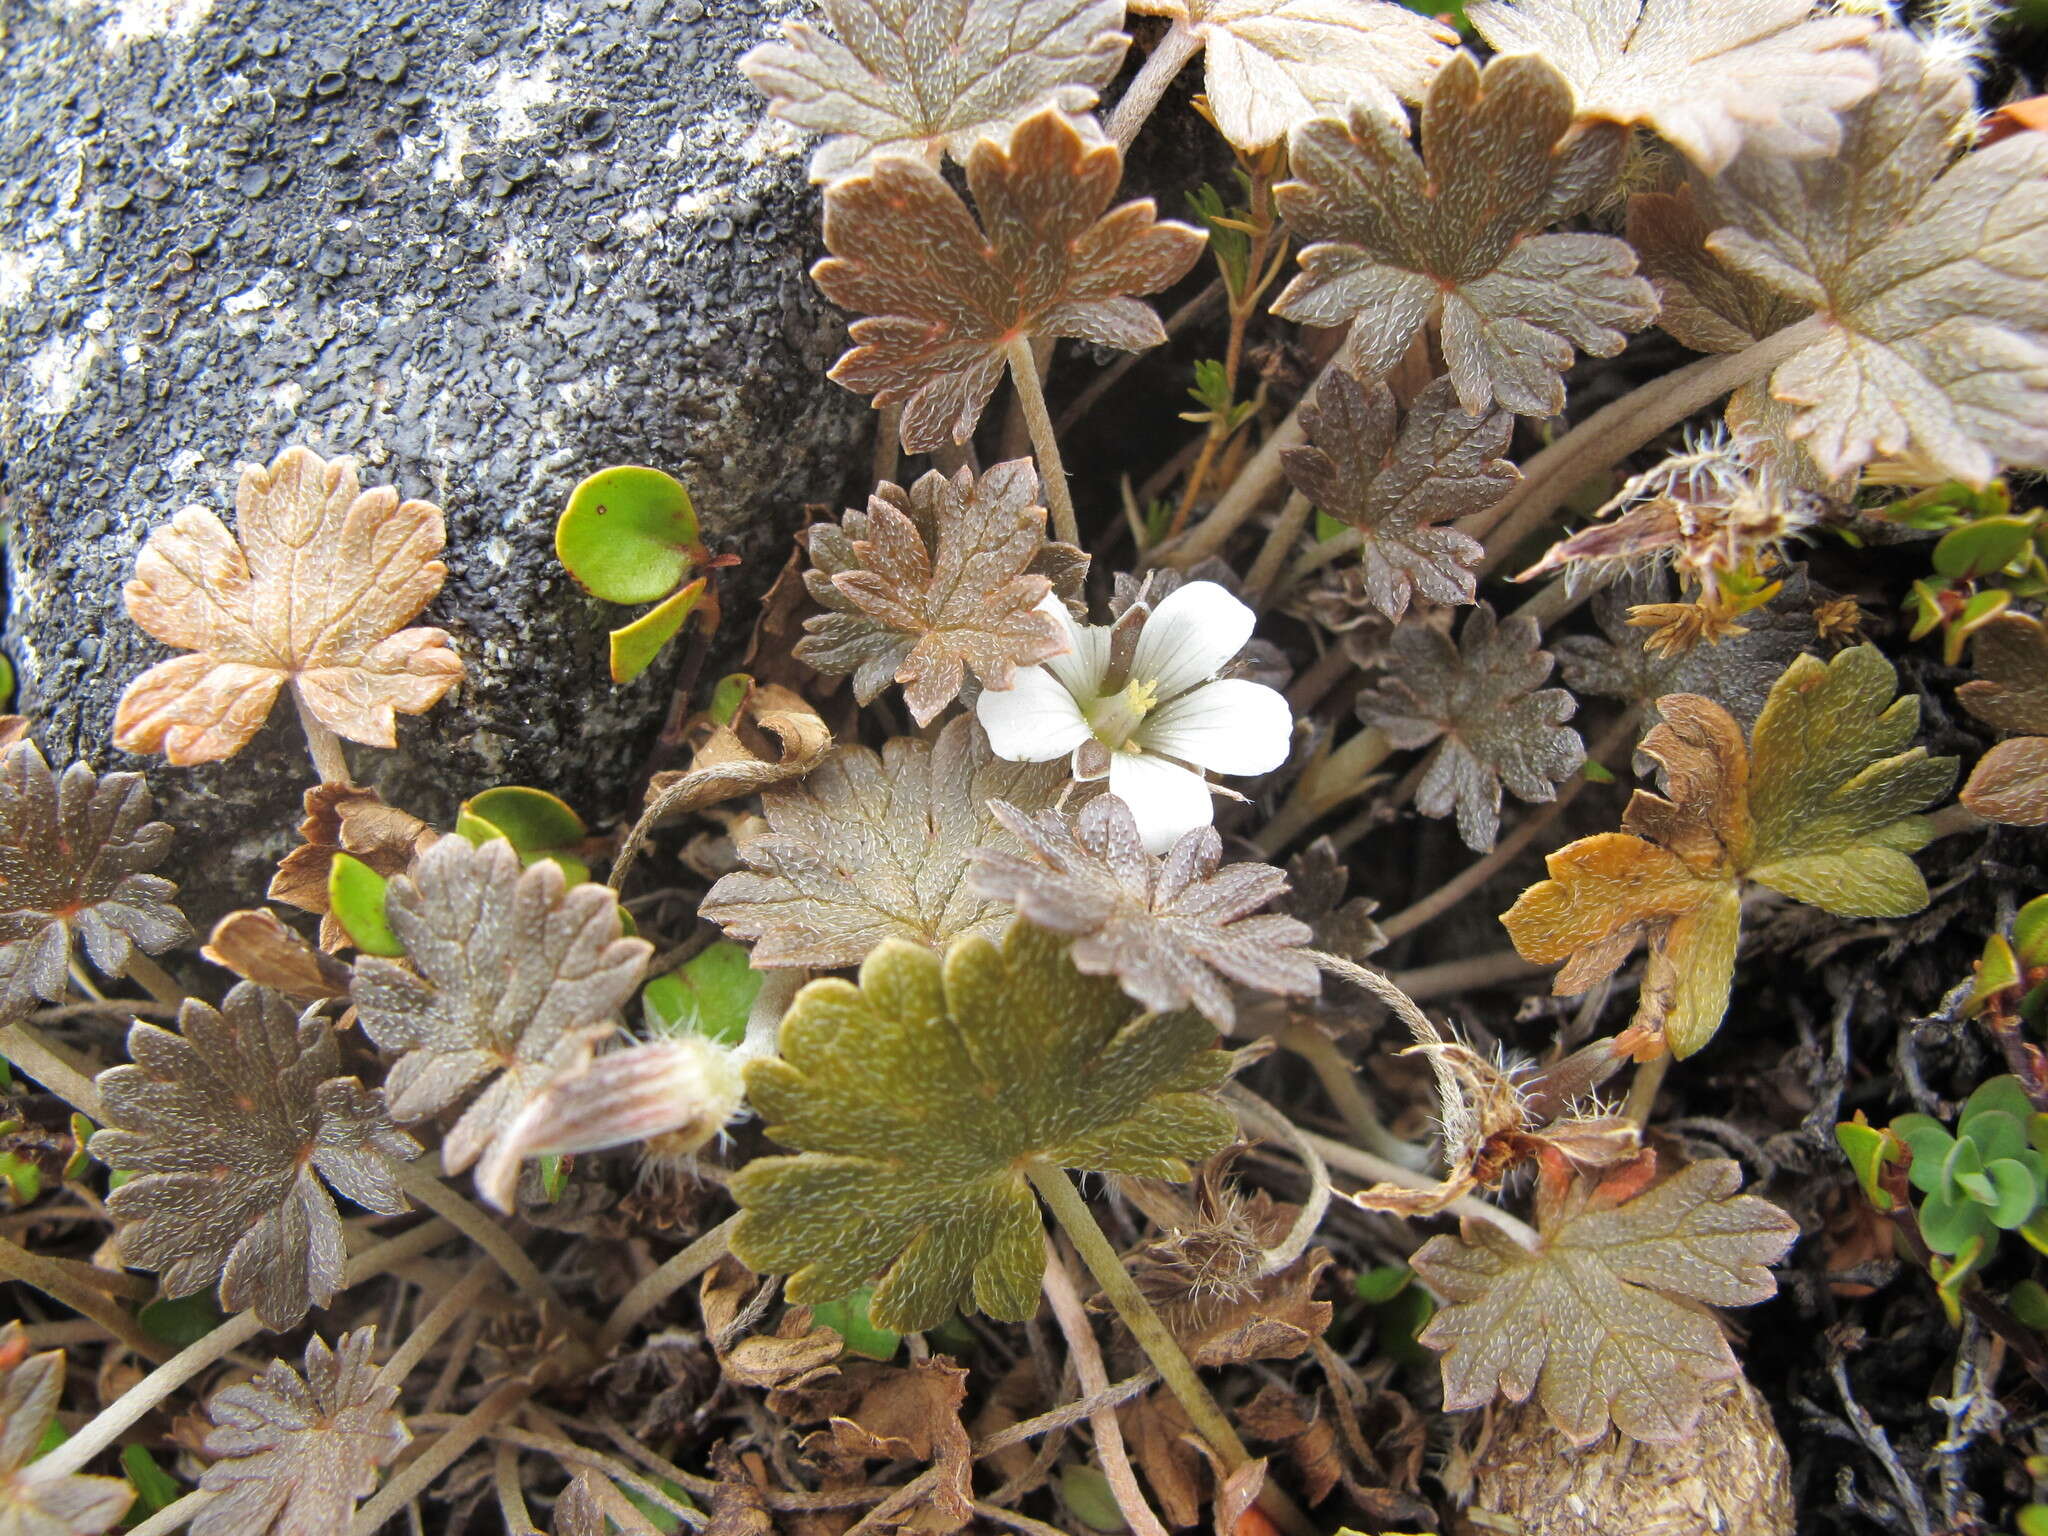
(1159, 724)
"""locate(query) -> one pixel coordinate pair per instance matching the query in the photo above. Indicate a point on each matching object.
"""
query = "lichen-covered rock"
(483, 247)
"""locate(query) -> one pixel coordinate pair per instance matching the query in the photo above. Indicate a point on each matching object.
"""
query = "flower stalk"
(1044, 441)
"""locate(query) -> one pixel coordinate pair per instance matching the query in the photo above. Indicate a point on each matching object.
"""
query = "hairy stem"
(656, 1288)
(52, 1278)
(321, 744)
(52, 1066)
(1263, 1119)
(1339, 1077)
(1024, 374)
(176, 1515)
(159, 983)
(1179, 44)
(1946, 822)
(1466, 973)
(1615, 431)
(418, 1181)
(437, 1458)
(1642, 1092)
(446, 1313)
(1285, 531)
(1362, 1164)
(505, 1484)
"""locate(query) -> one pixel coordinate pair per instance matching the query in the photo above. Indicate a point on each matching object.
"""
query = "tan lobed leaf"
(1393, 237)
(872, 847)
(931, 583)
(72, 1505)
(921, 77)
(2010, 690)
(293, 1454)
(512, 975)
(1273, 63)
(941, 299)
(1700, 300)
(1708, 75)
(909, 1413)
(1929, 274)
(311, 597)
(1397, 489)
(2010, 783)
(345, 818)
(1603, 1321)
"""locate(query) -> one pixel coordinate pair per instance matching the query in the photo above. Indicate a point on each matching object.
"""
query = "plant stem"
(1642, 1092)
(1466, 973)
(154, 979)
(53, 1280)
(1362, 1164)
(52, 1066)
(1339, 1077)
(448, 1311)
(656, 1288)
(511, 1497)
(444, 1201)
(438, 1458)
(1265, 1120)
(1024, 374)
(1617, 430)
(1258, 477)
(322, 745)
(1321, 553)
(1279, 540)
(1946, 822)
(888, 423)
(1324, 786)
(176, 1515)
(1179, 44)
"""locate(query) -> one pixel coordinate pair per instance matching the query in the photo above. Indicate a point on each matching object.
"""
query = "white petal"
(1034, 720)
(1230, 726)
(1190, 636)
(1087, 654)
(1166, 800)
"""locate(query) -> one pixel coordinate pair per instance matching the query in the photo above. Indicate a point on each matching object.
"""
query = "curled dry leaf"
(943, 300)
(1394, 238)
(1395, 489)
(312, 596)
(1709, 78)
(229, 1127)
(921, 77)
(1603, 1320)
(1819, 807)
(344, 818)
(72, 1505)
(74, 851)
(1480, 702)
(293, 1454)
(908, 1413)
(872, 847)
(1930, 272)
(1175, 932)
(512, 974)
(1273, 63)
(257, 947)
(933, 582)
(917, 1100)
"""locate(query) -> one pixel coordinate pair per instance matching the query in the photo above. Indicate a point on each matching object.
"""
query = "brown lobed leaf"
(2010, 690)
(942, 299)
(257, 947)
(871, 847)
(2010, 783)
(512, 975)
(1174, 931)
(908, 1413)
(1603, 1320)
(930, 583)
(293, 1454)
(74, 851)
(1395, 489)
(230, 1126)
(1480, 702)
(1709, 78)
(313, 596)
(1317, 879)
(345, 818)
(72, 1505)
(1393, 238)
(922, 77)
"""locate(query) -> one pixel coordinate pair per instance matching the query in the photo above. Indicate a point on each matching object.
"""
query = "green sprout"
(1987, 1176)
(2012, 974)
(629, 535)
(537, 824)
(1987, 556)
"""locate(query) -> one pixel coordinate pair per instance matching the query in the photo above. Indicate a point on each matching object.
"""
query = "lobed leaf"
(71, 1505)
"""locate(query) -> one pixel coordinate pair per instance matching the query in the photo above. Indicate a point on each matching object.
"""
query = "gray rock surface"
(486, 249)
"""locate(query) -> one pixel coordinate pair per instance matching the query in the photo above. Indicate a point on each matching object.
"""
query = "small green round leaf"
(628, 534)
(1948, 1225)
(2033, 1520)
(848, 1317)
(1381, 1285)
(1930, 1143)
(635, 647)
(355, 895)
(2017, 1192)
(730, 697)
(539, 825)
(2030, 932)
(711, 994)
(1090, 1499)
(2029, 1303)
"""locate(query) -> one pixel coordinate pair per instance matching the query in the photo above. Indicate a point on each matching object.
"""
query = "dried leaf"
(1819, 807)
(257, 947)
(1394, 238)
(313, 596)
(1394, 490)
(1931, 274)
(917, 1099)
(2010, 783)
(2010, 691)
(580, 1509)
(293, 1454)
(230, 1126)
(875, 847)
(74, 849)
(512, 974)
(1602, 1320)
(943, 299)
(1170, 930)
(910, 1413)
(921, 77)
(1317, 878)
(1274, 63)
(930, 583)
(344, 818)
(1708, 78)
(1481, 702)
(72, 1505)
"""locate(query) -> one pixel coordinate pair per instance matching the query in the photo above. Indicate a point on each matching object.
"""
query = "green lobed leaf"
(629, 534)
(917, 1099)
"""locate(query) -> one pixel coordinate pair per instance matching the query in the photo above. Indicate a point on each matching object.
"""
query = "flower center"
(1114, 717)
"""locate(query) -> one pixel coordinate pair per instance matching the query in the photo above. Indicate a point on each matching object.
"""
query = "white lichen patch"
(136, 21)
(515, 92)
(18, 271)
(57, 371)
